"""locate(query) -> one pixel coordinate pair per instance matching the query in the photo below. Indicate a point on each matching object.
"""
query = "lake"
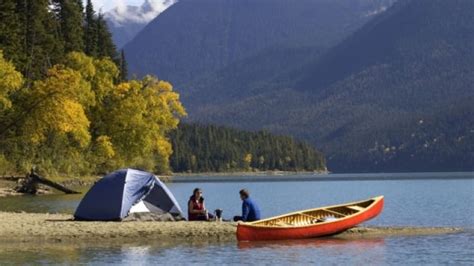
(418, 202)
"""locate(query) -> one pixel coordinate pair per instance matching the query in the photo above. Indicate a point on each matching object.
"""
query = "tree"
(10, 34)
(123, 66)
(213, 148)
(10, 81)
(60, 102)
(69, 14)
(129, 121)
(49, 126)
(41, 43)
(90, 30)
(105, 44)
(137, 117)
(70, 115)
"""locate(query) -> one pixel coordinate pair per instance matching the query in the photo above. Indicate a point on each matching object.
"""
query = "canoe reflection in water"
(337, 251)
(314, 243)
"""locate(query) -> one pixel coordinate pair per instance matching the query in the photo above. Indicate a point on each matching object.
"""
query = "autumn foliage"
(80, 119)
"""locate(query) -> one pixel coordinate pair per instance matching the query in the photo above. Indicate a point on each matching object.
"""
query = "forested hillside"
(200, 148)
(65, 104)
(361, 102)
(217, 33)
(36, 35)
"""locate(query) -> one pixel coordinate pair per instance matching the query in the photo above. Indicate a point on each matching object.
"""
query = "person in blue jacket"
(250, 210)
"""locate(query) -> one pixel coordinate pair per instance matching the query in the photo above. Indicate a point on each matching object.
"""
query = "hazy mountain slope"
(413, 63)
(193, 38)
(246, 77)
(410, 43)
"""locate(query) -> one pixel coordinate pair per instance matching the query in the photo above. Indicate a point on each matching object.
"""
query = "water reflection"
(443, 249)
(61, 203)
(311, 243)
(114, 252)
(314, 251)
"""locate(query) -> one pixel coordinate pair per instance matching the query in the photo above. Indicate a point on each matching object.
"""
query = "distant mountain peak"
(143, 14)
(126, 21)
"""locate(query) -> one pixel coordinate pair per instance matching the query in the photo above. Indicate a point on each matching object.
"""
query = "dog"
(218, 215)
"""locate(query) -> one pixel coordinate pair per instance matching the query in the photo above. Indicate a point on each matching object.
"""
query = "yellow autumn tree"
(137, 117)
(100, 73)
(59, 102)
(10, 81)
(102, 154)
(78, 120)
(247, 160)
(57, 128)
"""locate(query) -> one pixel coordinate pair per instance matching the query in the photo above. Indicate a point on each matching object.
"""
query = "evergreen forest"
(207, 148)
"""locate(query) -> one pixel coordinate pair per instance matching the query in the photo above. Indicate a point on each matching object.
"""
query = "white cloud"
(106, 5)
(125, 11)
(102, 5)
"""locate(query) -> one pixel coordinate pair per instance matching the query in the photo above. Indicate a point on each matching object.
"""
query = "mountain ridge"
(403, 80)
(370, 97)
(223, 32)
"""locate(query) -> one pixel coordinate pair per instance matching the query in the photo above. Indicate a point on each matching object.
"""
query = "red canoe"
(311, 223)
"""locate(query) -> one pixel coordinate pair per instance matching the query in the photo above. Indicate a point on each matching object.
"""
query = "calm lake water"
(420, 202)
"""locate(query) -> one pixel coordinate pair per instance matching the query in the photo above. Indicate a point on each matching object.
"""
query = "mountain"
(125, 21)
(394, 96)
(192, 39)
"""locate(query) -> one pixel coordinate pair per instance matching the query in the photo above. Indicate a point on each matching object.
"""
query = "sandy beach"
(61, 227)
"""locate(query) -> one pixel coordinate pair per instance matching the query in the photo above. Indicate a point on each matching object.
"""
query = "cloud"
(101, 5)
(125, 13)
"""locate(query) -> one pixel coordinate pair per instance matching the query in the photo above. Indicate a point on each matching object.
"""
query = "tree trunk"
(30, 185)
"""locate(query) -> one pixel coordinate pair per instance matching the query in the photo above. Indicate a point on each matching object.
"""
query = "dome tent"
(127, 191)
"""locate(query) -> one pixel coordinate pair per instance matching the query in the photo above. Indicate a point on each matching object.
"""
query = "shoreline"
(45, 227)
(313, 176)
(7, 184)
(252, 173)
(273, 176)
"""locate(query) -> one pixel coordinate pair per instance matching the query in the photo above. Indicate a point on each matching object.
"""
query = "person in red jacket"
(196, 207)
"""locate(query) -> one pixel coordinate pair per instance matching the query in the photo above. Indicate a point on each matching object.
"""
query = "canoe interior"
(315, 216)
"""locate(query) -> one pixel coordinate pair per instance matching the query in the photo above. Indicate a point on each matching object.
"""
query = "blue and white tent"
(127, 191)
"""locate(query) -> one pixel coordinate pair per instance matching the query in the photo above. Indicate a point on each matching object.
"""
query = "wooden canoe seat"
(313, 220)
(356, 208)
(335, 212)
(307, 215)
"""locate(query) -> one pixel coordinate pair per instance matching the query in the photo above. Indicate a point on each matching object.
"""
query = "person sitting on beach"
(196, 207)
(250, 210)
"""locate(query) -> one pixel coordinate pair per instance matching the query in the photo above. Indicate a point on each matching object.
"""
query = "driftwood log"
(30, 184)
